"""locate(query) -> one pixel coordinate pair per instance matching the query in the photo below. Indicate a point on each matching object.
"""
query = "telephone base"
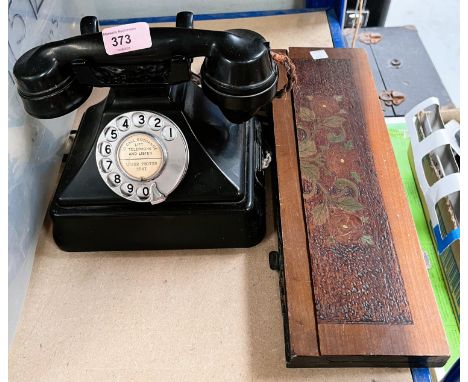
(221, 226)
(220, 202)
(217, 225)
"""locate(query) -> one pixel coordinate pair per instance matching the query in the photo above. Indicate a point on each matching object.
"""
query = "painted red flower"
(344, 227)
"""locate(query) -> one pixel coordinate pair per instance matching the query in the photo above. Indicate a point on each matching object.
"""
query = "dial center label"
(140, 156)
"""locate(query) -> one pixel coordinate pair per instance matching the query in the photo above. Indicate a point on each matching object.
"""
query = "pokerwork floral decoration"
(330, 172)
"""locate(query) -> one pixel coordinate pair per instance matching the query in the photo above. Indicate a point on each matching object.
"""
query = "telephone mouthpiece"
(48, 88)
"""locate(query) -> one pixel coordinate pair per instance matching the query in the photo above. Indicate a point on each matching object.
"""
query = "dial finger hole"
(155, 123)
(127, 189)
(143, 192)
(112, 134)
(106, 164)
(115, 179)
(139, 119)
(169, 133)
(106, 149)
(123, 123)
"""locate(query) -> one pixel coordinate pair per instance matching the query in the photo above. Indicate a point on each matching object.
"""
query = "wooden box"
(355, 290)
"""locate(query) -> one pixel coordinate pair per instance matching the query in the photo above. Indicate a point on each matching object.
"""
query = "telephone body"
(162, 162)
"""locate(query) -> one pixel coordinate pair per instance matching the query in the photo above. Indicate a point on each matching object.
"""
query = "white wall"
(124, 9)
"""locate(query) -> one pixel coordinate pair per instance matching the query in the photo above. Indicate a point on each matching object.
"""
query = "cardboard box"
(449, 258)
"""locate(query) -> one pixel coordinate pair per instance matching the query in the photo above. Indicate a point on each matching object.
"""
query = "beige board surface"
(193, 315)
(282, 31)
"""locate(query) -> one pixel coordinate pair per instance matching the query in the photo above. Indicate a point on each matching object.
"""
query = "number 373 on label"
(126, 38)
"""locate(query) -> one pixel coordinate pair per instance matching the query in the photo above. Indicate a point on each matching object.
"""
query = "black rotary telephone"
(161, 162)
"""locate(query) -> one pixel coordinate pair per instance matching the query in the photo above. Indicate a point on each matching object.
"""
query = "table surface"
(192, 315)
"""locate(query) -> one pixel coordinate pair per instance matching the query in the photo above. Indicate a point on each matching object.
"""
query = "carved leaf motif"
(356, 176)
(307, 148)
(320, 214)
(367, 240)
(349, 204)
(349, 145)
(338, 137)
(310, 171)
(306, 114)
(334, 121)
(345, 186)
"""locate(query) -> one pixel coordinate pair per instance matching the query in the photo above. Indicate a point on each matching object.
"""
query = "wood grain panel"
(301, 316)
(355, 270)
(412, 334)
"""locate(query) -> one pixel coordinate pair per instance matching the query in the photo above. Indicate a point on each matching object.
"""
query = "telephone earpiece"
(241, 86)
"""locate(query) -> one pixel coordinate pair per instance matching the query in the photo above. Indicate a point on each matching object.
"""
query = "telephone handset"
(238, 74)
(161, 162)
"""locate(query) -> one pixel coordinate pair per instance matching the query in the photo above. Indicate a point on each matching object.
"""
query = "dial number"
(111, 134)
(106, 149)
(128, 189)
(106, 164)
(139, 119)
(155, 123)
(169, 133)
(123, 123)
(115, 179)
(143, 192)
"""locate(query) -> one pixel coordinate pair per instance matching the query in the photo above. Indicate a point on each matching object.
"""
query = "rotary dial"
(142, 156)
